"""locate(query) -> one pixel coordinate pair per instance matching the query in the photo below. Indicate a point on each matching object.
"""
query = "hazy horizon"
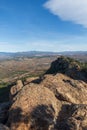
(46, 25)
(42, 51)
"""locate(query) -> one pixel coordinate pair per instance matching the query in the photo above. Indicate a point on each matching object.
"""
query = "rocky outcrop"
(35, 107)
(32, 79)
(56, 101)
(75, 119)
(15, 89)
(66, 88)
(50, 105)
(68, 66)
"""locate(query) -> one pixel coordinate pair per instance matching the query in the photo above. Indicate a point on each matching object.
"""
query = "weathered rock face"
(3, 127)
(34, 108)
(15, 89)
(69, 67)
(53, 102)
(75, 119)
(66, 89)
(49, 105)
(80, 114)
(32, 79)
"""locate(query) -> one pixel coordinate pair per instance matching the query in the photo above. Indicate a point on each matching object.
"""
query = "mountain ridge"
(10, 55)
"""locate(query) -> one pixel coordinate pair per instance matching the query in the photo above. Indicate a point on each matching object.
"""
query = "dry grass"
(24, 67)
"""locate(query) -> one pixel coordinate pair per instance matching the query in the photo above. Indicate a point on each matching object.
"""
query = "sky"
(43, 25)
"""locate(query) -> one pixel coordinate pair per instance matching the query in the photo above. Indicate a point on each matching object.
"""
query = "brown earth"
(11, 70)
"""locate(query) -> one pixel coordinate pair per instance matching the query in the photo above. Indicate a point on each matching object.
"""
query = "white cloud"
(69, 10)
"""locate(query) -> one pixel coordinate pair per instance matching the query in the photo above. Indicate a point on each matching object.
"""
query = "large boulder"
(55, 101)
(15, 89)
(32, 80)
(68, 66)
(34, 108)
(66, 88)
(75, 119)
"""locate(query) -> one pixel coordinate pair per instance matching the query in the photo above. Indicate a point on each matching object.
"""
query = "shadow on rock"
(72, 117)
(41, 118)
(17, 116)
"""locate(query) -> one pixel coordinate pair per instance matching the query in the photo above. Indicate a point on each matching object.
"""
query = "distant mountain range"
(9, 55)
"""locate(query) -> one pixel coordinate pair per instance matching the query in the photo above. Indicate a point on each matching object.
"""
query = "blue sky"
(43, 25)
